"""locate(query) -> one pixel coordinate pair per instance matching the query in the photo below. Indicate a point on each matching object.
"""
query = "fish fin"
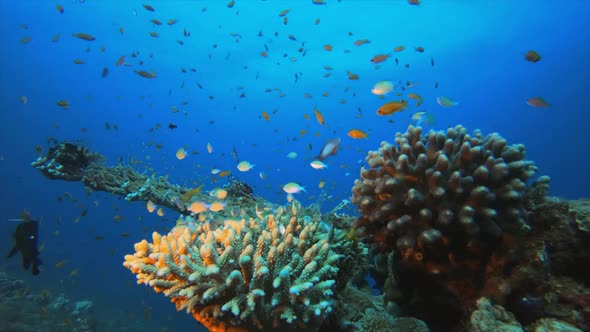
(12, 252)
(36, 263)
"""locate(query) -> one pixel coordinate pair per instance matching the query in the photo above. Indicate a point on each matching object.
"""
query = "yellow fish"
(245, 166)
(382, 88)
(181, 153)
(151, 207)
(416, 97)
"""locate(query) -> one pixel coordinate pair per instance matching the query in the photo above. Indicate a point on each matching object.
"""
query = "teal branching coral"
(250, 274)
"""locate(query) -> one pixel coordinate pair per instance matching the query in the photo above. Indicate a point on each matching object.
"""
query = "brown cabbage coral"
(444, 199)
(251, 274)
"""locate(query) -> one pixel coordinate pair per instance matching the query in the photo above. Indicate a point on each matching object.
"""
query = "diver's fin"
(12, 252)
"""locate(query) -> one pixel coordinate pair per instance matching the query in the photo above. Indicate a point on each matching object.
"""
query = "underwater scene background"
(189, 89)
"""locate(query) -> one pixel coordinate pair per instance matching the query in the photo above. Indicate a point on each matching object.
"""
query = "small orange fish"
(198, 207)
(61, 263)
(392, 107)
(352, 76)
(537, 102)
(361, 42)
(357, 133)
(532, 56)
(318, 116)
(223, 174)
(120, 61)
(154, 34)
(379, 58)
(156, 21)
(148, 7)
(284, 12)
(172, 21)
(414, 2)
(318, 2)
(216, 206)
(328, 47)
(264, 54)
(265, 116)
(419, 49)
(399, 48)
(63, 104)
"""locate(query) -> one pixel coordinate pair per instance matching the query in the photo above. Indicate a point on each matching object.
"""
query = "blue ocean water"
(477, 48)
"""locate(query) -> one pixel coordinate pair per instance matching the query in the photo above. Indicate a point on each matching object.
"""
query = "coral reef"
(490, 317)
(269, 275)
(74, 162)
(450, 217)
(23, 310)
(380, 321)
(238, 189)
(494, 317)
(134, 186)
(444, 199)
(66, 161)
(463, 222)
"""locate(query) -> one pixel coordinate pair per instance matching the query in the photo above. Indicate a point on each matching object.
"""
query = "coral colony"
(450, 229)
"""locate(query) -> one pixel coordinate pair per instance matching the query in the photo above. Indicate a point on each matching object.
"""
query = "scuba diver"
(25, 240)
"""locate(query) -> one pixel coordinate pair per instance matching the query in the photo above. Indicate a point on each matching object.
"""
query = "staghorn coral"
(66, 161)
(268, 275)
(444, 199)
